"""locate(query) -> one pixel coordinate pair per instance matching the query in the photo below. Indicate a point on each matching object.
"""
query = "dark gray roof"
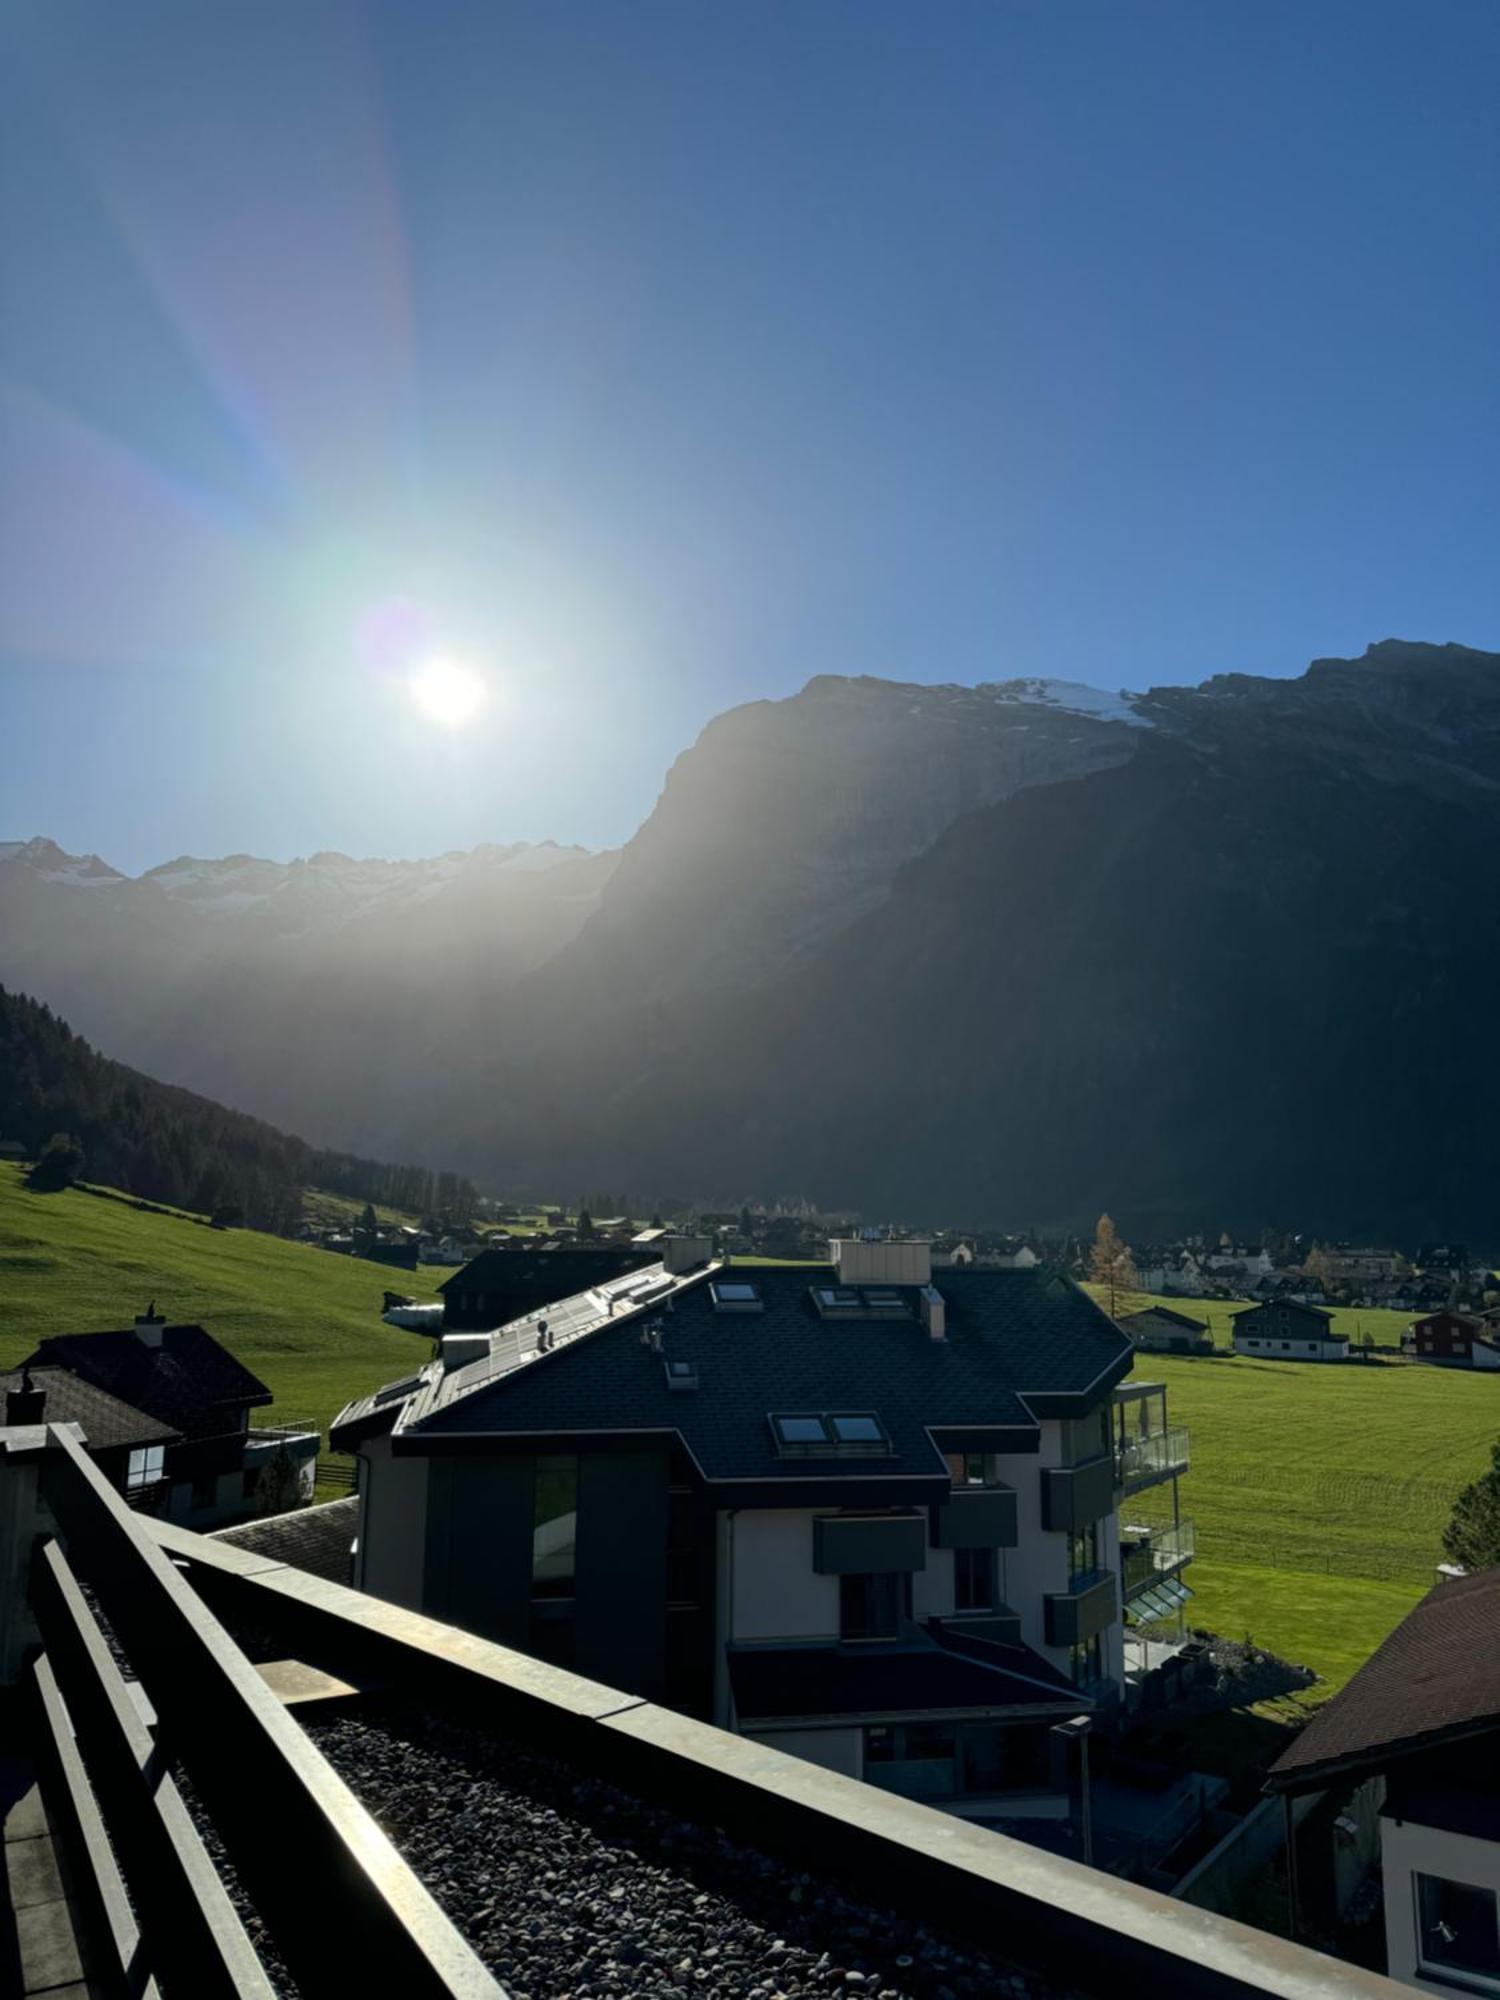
(315, 1539)
(775, 1683)
(1164, 1316)
(105, 1420)
(186, 1377)
(1015, 1341)
(1435, 1679)
(1284, 1305)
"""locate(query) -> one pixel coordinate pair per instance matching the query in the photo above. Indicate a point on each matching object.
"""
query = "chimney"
(861, 1263)
(934, 1312)
(26, 1404)
(459, 1349)
(150, 1326)
(685, 1253)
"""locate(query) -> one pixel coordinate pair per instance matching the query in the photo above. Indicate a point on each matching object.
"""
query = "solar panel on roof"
(394, 1389)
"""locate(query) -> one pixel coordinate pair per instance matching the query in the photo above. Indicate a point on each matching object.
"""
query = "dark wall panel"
(622, 1569)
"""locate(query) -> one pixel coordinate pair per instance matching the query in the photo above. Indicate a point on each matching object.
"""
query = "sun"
(447, 692)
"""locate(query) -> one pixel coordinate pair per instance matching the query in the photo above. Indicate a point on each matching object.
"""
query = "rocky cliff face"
(1015, 952)
(1237, 973)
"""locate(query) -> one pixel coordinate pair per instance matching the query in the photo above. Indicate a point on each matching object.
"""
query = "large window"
(554, 1537)
(1083, 1551)
(1457, 1931)
(974, 1468)
(1086, 1662)
(873, 1607)
(145, 1467)
(973, 1579)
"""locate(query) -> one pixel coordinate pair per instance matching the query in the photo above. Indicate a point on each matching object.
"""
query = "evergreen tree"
(1472, 1536)
(279, 1489)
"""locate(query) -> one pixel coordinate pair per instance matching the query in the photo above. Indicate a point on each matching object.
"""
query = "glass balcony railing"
(1149, 1554)
(1158, 1455)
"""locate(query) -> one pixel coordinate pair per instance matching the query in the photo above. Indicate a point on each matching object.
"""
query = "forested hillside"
(168, 1145)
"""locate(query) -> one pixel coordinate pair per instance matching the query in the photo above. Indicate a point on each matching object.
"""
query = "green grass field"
(306, 1322)
(1320, 1493)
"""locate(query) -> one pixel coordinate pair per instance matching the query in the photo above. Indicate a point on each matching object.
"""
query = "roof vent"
(150, 1326)
(934, 1312)
(681, 1374)
(26, 1404)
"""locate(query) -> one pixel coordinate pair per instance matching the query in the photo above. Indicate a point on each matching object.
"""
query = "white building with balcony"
(850, 1511)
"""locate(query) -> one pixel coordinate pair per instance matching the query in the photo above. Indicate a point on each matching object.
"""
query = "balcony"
(1074, 1495)
(1148, 1556)
(1145, 1461)
(1086, 1607)
(980, 1517)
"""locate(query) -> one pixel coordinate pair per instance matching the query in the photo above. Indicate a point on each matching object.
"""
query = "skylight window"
(825, 1434)
(883, 1303)
(857, 1430)
(835, 1301)
(799, 1430)
(860, 1302)
(732, 1295)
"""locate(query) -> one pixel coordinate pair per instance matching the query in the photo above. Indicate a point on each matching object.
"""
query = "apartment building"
(849, 1511)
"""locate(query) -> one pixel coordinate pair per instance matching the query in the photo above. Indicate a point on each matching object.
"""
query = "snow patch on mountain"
(1071, 698)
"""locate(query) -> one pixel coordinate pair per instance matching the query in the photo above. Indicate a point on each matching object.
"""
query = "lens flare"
(447, 692)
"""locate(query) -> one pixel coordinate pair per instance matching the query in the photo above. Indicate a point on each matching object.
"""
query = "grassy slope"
(306, 1322)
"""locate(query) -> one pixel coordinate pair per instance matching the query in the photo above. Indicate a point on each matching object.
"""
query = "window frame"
(145, 1466)
(1451, 1972)
(887, 1604)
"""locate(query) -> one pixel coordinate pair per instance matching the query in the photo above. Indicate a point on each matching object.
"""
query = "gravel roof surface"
(568, 1887)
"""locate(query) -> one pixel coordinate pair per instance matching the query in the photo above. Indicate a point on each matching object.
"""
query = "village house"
(128, 1446)
(498, 1286)
(207, 1463)
(1455, 1339)
(1161, 1330)
(1288, 1330)
(1415, 1738)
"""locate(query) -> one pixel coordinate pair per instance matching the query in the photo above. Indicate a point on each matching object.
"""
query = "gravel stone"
(567, 1887)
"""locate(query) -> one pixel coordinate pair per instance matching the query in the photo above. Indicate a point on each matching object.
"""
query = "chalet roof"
(1286, 1305)
(314, 1539)
(1436, 1678)
(1165, 1315)
(177, 1382)
(105, 1420)
(1019, 1345)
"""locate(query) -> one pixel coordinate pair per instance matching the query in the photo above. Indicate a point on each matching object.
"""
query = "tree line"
(80, 1115)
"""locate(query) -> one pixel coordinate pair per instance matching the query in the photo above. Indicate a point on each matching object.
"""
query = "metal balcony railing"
(1143, 1460)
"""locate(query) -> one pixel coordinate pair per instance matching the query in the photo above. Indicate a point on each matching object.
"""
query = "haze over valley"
(1017, 952)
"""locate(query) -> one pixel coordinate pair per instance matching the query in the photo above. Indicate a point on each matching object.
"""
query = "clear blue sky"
(647, 358)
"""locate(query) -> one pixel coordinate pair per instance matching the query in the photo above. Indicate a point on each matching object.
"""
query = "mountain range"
(1015, 953)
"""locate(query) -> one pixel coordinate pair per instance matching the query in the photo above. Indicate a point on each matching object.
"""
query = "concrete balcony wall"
(984, 1518)
(1074, 1495)
(1075, 1616)
(869, 1544)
